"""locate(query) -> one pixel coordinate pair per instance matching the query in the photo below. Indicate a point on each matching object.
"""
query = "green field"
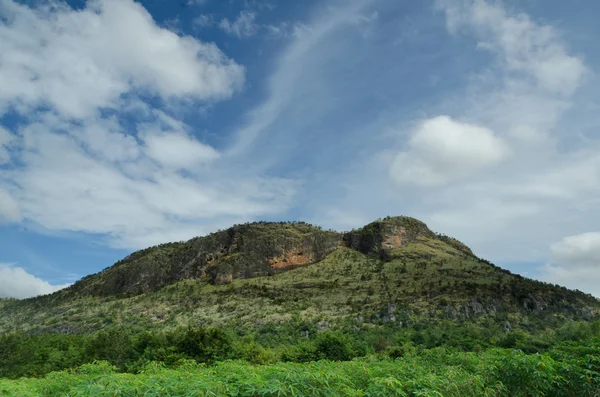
(572, 371)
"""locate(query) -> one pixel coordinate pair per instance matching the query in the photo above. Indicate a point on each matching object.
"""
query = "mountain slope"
(393, 271)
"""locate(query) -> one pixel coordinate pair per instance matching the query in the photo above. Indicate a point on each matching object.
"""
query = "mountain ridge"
(249, 250)
(393, 271)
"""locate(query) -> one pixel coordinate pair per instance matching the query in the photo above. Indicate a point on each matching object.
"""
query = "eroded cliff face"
(383, 236)
(292, 258)
(240, 252)
(247, 251)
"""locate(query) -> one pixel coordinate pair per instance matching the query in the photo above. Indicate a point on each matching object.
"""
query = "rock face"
(533, 303)
(382, 237)
(245, 251)
(473, 308)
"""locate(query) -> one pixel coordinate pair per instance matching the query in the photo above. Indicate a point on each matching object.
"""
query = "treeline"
(36, 355)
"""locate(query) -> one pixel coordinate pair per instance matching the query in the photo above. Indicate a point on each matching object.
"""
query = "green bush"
(204, 344)
(257, 354)
(334, 346)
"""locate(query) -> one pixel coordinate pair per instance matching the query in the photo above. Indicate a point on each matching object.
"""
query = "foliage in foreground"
(23, 355)
(436, 372)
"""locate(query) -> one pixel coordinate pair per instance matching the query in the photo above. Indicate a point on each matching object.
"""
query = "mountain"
(393, 271)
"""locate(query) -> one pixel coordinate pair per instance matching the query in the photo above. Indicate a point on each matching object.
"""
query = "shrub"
(204, 344)
(334, 346)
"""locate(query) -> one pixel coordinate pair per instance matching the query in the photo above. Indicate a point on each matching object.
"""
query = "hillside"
(393, 272)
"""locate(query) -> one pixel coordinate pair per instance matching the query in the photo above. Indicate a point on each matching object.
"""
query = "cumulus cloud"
(15, 282)
(78, 61)
(137, 196)
(94, 150)
(521, 98)
(243, 26)
(442, 150)
(576, 263)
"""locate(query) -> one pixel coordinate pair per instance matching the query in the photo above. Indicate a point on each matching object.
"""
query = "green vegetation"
(295, 341)
(420, 283)
(436, 372)
(290, 309)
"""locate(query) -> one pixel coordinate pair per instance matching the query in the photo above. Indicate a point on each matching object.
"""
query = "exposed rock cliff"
(244, 251)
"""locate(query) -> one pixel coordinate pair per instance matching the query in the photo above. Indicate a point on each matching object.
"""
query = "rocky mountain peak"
(384, 235)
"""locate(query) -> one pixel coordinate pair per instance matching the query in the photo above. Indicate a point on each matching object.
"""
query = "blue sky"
(126, 124)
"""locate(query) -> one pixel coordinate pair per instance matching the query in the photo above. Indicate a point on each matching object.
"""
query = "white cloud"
(79, 61)
(534, 179)
(524, 45)
(580, 250)
(542, 187)
(103, 138)
(442, 150)
(584, 279)
(243, 26)
(296, 79)
(15, 282)
(280, 30)
(139, 177)
(98, 175)
(177, 149)
(9, 208)
(204, 21)
(283, 29)
(509, 204)
(576, 263)
(527, 203)
(137, 195)
(5, 139)
(537, 75)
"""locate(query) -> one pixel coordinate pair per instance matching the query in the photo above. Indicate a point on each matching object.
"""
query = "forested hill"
(394, 271)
